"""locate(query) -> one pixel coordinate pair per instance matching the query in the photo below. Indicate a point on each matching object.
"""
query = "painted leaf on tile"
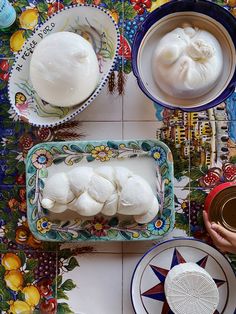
(68, 285)
(61, 294)
(72, 264)
(63, 308)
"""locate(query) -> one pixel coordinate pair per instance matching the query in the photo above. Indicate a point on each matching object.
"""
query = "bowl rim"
(225, 18)
(102, 82)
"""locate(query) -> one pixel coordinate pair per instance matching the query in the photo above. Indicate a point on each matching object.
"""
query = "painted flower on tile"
(41, 158)
(159, 227)
(26, 142)
(33, 242)
(99, 227)
(22, 234)
(159, 155)
(20, 179)
(43, 225)
(44, 134)
(102, 153)
(22, 221)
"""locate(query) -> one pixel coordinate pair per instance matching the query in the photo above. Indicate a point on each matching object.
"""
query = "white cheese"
(64, 69)
(136, 197)
(190, 289)
(104, 189)
(79, 179)
(85, 205)
(187, 62)
(57, 189)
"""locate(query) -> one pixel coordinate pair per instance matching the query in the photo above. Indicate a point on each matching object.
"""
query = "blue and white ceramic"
(203, 14)
(92, 22)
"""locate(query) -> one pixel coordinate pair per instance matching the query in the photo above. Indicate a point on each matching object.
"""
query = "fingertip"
(214, 226)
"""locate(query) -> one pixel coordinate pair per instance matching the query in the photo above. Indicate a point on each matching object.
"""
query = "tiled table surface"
(95, 278)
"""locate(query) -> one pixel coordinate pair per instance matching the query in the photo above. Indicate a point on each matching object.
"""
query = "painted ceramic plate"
(147, 287)
(150, 159)
(94, 24)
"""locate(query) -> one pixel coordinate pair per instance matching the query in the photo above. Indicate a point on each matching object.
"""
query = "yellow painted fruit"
(115, 15)
(17, 40)
(20, 307)
(29, 18)
(11, 261)
(157, 4)
(32, 295)
(14, 279)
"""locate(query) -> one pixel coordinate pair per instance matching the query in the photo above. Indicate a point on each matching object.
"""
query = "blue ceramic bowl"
(203, 14)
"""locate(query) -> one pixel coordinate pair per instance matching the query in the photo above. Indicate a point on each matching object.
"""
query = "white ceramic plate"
(147, 286)
(91, 22)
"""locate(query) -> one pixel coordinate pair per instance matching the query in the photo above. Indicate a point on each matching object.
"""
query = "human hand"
(223, 239)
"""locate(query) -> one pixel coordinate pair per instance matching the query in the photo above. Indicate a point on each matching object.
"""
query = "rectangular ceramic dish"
(150, 159)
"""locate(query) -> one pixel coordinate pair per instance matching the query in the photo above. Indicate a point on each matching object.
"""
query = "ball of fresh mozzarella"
(136, 196)
(100, 188)
(111, 205)
(58, 208)
(79, 179)
(57, 189)
(106, 172)
(150, 214)
(85, 205)
(122, 174)
(64, 69)
(187, 62)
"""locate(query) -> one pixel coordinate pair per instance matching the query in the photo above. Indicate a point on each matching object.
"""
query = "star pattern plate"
(147, 287)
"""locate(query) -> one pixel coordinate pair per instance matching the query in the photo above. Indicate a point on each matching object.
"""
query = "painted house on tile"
(190, 132)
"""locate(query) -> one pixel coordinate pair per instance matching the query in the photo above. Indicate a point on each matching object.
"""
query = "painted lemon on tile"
(157, 4)
(32, 295)
(29, 18)
(14, 279)
(17, 40)
(11, 261)
(114, 14)
(20, 307)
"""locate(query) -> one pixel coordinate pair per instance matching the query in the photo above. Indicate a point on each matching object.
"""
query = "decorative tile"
(196, 206)
(15, 233)
(28, 278)
(137, 107)
(102, 130)
(212, 148)
(106, 107)
(5, 68)
(5, 51)
(98, 281)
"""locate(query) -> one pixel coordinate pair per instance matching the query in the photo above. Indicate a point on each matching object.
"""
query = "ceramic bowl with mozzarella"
(64, 65)
(183, 55)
